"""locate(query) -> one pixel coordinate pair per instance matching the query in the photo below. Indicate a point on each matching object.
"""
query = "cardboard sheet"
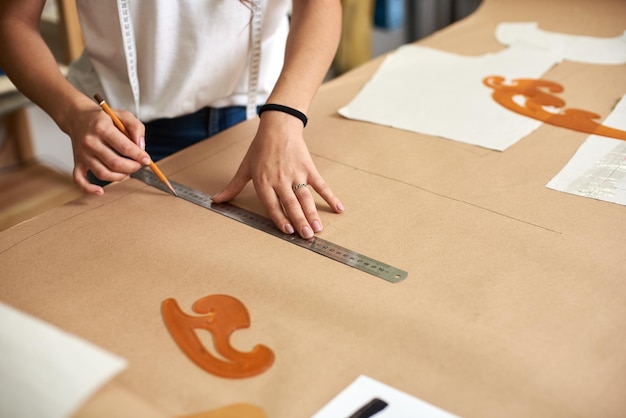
(585, 49)
(598, 169)
(515, 300)
(45, 372)
(438, 93)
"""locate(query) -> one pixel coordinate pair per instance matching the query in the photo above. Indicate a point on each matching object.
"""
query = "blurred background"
(374, 27)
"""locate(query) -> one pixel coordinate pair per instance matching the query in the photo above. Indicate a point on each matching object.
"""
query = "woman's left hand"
(279, 164)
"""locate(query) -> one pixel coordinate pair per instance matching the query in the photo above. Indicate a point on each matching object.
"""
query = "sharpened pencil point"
(120, 125)
(162, 177)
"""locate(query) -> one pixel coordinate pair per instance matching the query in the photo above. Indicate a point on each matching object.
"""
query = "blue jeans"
(167, 136)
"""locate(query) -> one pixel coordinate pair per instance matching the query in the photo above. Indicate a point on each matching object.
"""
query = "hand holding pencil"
(118, 123)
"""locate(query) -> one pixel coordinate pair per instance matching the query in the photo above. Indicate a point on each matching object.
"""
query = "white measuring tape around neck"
(130, 50)
(254, 56)
(317, 245)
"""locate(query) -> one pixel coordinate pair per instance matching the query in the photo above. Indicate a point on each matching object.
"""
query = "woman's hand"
(276, 162)
(278, 159)
(103, 149)
(97, 144)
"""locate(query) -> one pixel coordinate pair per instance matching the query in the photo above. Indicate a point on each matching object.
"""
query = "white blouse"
(166, 58)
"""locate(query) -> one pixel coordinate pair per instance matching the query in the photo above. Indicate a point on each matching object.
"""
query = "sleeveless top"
(167, 58)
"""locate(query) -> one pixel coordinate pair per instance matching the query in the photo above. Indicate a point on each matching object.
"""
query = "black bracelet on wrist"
(284, 109)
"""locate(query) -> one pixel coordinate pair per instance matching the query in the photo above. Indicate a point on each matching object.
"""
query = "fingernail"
(340, 207)
(145, 161)
(289, 229)
(142, 143)
(317, 226)
(307, 233)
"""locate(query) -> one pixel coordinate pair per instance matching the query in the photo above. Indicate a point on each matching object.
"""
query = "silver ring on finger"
(299, 186)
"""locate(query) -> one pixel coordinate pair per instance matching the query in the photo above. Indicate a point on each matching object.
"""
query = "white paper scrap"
(364, 389)
(586, 49)
(438, 93)
(598, 168)
(46, 372)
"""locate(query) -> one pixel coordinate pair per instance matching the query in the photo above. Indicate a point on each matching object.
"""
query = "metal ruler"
(316, 244)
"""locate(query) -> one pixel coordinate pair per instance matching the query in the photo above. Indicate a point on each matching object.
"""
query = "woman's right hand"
(97, 144)
(101, 148)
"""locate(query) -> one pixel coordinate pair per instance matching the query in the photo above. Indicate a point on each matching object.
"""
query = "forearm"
(30, 65)
(311, 46)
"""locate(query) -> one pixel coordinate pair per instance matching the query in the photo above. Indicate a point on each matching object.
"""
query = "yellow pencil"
(118, 123)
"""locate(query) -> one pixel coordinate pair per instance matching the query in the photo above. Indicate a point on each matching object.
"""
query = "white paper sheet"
(586, 49)
(437, 93)
(46, 372)
(364, 389)
(598, 169)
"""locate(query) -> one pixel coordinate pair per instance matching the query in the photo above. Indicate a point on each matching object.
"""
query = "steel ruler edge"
(316, 244)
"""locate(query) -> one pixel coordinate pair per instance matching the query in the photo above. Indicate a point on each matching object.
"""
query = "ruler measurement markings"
(316, 244)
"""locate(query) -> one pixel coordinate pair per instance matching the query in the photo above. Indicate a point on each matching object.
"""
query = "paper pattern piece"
(598, 169)
(364, 389)
(585, 49)
(437, 93)
(46, 372)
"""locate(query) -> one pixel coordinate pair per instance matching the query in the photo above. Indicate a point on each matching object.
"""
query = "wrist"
(67, 111)
(295, 113)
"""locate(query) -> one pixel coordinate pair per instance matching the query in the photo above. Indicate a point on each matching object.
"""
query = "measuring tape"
(316, 244)
(130, 52)
(254, 59)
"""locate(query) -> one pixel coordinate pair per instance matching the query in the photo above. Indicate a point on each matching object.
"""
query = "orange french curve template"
(537, 94)
(221, 315)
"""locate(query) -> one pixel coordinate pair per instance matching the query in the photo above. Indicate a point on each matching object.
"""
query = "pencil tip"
(98, 98)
